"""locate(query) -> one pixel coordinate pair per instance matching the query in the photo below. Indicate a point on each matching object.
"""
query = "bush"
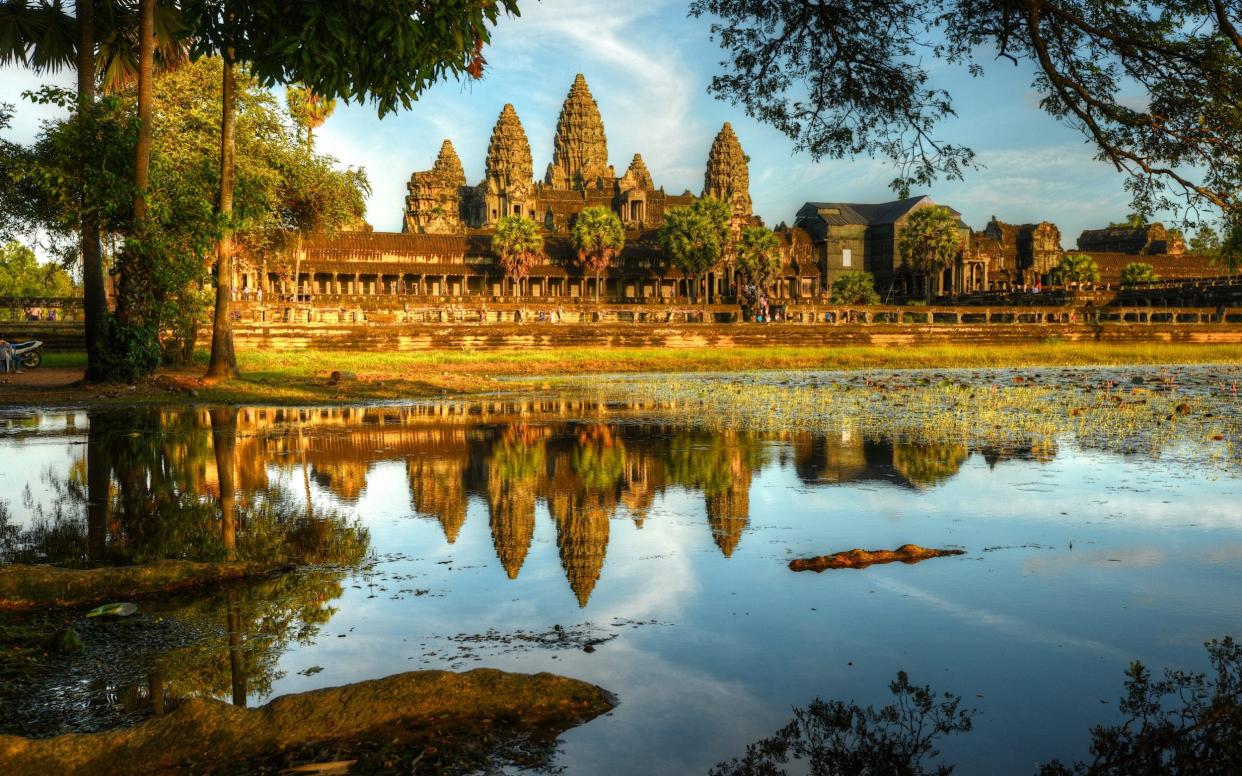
(1077, 268)
(1138, 272)
(855, 288)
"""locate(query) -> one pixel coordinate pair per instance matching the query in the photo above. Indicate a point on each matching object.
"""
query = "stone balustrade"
(432, 323)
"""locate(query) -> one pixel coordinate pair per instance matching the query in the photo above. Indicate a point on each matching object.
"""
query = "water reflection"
(224, 644)
(219, 483)
(1183, 722)
(492, 522)
(154, 485)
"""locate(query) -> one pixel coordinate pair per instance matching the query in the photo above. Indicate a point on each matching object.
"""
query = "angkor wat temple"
(444, 249)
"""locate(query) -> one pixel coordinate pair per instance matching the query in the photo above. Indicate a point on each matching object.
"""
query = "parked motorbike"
(30, 352)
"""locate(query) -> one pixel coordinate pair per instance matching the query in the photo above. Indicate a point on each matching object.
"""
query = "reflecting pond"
(636, 533)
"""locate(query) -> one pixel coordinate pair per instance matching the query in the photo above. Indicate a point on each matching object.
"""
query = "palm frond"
(171, 37)
(15, 32)
(53, 37)
(117, 60)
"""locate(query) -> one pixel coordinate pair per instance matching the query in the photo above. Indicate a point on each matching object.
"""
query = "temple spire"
(580, 149)
(510, 177)
(508, 160)
(728, 177)
(448, 165)
(433, 204)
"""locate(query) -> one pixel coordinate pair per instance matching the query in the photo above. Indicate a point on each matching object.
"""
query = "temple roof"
(470, 253)
(814, 216)
(1180, 265)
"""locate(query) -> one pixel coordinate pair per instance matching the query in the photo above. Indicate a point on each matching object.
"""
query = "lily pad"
(113, 610)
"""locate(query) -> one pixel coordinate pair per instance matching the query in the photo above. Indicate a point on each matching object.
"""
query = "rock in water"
(66, 642)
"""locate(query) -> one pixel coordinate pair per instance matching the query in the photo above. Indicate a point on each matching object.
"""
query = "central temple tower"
(580, 150)
(509, 186)
(728, 177)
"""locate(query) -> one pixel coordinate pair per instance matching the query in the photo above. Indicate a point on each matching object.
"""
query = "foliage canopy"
(330, 47)
(517, 243)
(845, 78)
(598, 236)
(1077, 268)
(856, 287)
(758, 256)
(21, 274)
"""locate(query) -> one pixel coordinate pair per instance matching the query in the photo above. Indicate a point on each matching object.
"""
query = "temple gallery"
(444, 249)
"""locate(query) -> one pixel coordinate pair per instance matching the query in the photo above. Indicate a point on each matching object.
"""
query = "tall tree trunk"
(134, 290)
(95, 300)
(146, 75)
(223, 362)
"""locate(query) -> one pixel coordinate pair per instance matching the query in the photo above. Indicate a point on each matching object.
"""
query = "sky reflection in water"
(666, 548)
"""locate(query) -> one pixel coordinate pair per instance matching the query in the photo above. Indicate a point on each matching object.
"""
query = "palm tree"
(223, 361)
(758, 259)
(1138, 272)
(697, 238)
(690, 242)
(598, 237)
(718, 214)
(517, 243)
(1077, 268)
(309, 111)
(929, 242)
(134, 289)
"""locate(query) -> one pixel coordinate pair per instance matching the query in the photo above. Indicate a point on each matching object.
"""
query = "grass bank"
(295, 377)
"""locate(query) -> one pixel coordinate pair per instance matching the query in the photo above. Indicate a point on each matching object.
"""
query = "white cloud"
(27, 117)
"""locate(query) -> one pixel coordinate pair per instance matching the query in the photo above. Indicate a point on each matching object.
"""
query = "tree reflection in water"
(226, 644)
(1183, 724)
(172, 485)
(197, 485)
(833, 737)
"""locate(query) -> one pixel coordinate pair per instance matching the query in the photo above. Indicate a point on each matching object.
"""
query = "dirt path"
(64, 386)
(37, 386)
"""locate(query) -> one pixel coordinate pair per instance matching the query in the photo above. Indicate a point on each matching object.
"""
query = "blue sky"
(648, 66)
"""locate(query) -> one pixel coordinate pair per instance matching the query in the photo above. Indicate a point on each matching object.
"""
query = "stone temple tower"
(509, 187)
(580, 150)
(727, 177)
(433, 205)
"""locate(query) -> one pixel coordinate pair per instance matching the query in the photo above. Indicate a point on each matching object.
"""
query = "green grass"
(64, 360)
(299, 376)
(411, 364)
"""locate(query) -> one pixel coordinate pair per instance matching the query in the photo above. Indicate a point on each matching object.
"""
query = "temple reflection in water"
(223, 482)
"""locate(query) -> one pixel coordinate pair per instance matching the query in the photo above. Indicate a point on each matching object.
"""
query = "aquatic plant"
(936, 416)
